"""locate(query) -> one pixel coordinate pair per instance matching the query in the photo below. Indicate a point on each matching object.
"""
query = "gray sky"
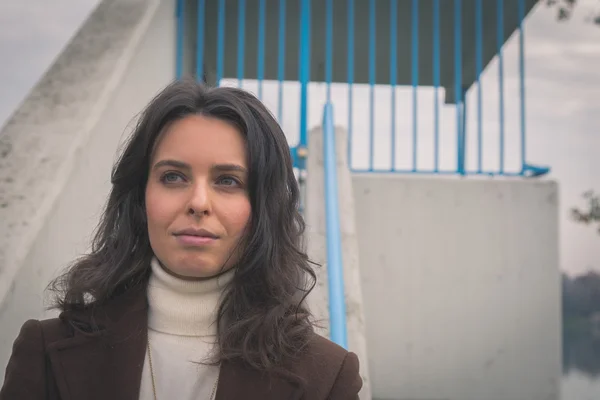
(563, 88)
(32, 33)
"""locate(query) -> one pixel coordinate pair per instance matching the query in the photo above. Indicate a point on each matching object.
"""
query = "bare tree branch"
(564, 10)
(591, 213)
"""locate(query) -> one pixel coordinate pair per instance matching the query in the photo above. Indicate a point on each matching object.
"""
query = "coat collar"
(104, 357)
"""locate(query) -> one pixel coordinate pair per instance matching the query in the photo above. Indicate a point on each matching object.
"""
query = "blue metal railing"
(410, 149)
(434, 26)
(335, 270)
(460, 91)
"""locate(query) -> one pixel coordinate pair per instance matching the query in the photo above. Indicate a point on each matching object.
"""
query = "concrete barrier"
(461, 287)
(57, 150)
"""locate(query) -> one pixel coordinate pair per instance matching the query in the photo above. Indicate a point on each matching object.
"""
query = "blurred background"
(461, 140)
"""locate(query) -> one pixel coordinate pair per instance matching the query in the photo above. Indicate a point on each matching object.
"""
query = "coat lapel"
(104, 364)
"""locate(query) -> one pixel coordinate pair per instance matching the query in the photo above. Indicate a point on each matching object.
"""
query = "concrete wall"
(461, 286)
(58, 149)
(317, 251)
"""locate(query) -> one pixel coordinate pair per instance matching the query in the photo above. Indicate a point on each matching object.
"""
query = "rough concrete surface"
(59, 147)
(40, 142)
(461, 286)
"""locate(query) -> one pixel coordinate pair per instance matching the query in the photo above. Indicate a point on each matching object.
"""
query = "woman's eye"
(227, 181)
(171, 177)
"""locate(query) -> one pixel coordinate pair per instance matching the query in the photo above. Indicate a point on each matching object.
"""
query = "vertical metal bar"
(220, 42)
(499, 43)
(260, 67)
(478, 71)
(328, 46)
(304, 68)
(372, 55)
(436, 83)
(200, 41)
(522, 83)
(180, 9)
(241, 38)
(464, 126)
(350, 65)
(393, 73)
(415, 74)
(281, 59)
(458, 83)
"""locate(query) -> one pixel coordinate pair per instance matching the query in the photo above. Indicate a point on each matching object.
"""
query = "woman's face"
(197, 202)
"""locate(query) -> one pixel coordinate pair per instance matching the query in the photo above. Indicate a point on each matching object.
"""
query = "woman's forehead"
(199, 139)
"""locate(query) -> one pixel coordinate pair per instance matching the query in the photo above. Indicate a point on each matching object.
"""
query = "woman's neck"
(184, 307)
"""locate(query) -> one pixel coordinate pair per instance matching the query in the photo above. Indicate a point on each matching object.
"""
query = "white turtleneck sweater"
(182, 332)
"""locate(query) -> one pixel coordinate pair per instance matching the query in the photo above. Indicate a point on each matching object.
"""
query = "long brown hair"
(262, 319)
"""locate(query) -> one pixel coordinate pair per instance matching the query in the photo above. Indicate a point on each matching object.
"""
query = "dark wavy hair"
(262, 318)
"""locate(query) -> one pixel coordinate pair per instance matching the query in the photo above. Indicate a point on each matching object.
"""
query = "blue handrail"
(335, 273)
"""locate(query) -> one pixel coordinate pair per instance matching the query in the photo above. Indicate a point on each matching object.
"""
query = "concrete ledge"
(40, 142)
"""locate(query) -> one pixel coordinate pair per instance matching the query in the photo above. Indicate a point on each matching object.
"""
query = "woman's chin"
(193, 265)
(196, 273)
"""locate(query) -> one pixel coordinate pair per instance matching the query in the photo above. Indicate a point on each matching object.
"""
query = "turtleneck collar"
(182, 307)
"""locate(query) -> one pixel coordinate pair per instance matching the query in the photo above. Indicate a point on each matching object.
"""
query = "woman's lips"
(192, 240)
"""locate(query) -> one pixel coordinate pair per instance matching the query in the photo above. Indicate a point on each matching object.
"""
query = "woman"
(195, 284)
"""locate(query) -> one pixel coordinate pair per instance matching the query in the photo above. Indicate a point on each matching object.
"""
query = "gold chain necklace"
(214, 390)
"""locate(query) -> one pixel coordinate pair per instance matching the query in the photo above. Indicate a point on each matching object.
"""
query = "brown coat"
(67, 359)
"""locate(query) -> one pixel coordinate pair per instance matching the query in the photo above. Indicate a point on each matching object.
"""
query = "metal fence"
(267, 34)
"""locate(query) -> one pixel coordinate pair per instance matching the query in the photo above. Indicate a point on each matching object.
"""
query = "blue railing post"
(260, 67)
(522, 83)
(221, 42)
(372, 77)
(415, 76)
(458, 86)
(436, 85)
(241, 40)
(304, 68)
(200, 41)
(393, 76)
(478, 71)
(179, 15)
(350, 76)
(499, 44)
(335, 273)
(281, 60)
(328, 47)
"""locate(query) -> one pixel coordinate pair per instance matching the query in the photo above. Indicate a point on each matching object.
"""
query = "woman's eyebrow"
(172, 163)
(229, 168)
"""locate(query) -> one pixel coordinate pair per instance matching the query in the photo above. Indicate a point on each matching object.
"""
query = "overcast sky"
(563, 111)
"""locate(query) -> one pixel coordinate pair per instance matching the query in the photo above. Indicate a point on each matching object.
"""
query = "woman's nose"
(199, 202)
